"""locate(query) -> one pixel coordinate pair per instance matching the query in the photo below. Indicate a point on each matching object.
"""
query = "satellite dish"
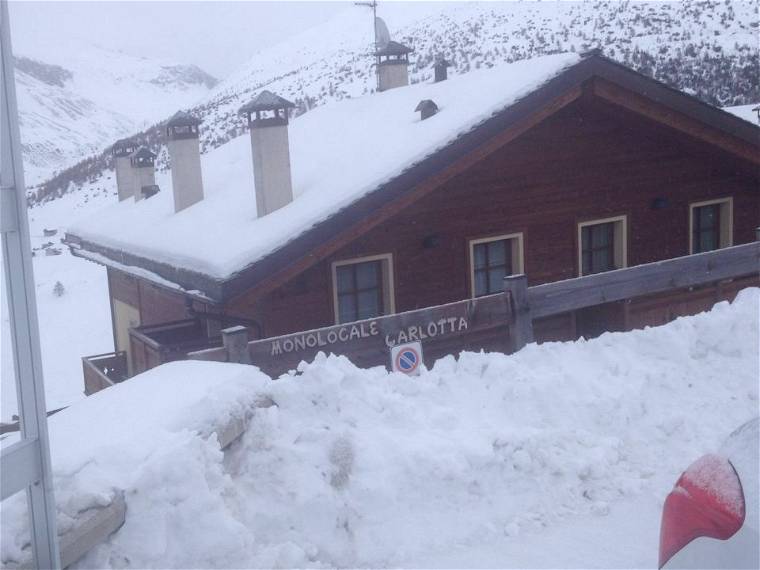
(382, 35)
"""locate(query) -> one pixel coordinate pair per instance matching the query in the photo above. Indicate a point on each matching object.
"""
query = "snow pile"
(463, 465)
(153, 438)
(334, 163)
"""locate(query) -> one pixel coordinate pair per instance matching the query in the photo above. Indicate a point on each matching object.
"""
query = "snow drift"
(363, 468)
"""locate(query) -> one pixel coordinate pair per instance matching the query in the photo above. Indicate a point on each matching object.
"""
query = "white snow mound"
(364, 468)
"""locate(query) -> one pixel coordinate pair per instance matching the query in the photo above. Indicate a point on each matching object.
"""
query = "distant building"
(557, 167)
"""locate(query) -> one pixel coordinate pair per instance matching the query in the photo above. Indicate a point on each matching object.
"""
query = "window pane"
(600, 260)
(347, 308)
(586, 262)
(496, 280)
(345, 274)
(496, 255)
(369, 305)
(368, 275)
(601, 235)
(708, 217)
(480, 255)
(708, 241)
(481, 283)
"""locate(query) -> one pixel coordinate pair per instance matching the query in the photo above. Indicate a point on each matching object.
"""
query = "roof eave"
(191, 283)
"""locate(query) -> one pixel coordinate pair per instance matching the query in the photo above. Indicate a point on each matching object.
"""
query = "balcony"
(152, 345)
(104, 370)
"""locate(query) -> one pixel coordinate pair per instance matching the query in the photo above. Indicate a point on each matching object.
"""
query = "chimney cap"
(393, 48)
(426, 105)
(183, 119)
(142, 157)
(143, 152)
(593, 52)
(123, 147)
(266, 101)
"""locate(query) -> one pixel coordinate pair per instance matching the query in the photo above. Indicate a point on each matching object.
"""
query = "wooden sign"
(367, 342)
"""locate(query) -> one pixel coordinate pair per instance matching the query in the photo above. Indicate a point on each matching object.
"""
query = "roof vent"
(185, 156)
(427, 109)
(441, 69)
(270, 147)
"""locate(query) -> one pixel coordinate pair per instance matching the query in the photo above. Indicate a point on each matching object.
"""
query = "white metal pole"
(27, 462)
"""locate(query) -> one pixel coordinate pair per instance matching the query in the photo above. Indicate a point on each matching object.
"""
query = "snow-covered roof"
(339, 153)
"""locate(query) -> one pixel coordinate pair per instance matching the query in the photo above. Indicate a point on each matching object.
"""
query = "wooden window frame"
(388, 282)
(518, 254)
(620, 236)
(726, 221)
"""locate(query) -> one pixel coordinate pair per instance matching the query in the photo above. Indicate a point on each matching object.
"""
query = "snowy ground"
(558, 456)
(76, 324)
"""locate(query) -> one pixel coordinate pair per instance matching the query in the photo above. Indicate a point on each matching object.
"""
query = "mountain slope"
(74, 103)
(703, 47)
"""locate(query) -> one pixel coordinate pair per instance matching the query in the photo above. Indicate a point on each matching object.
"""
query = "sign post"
(407, 358)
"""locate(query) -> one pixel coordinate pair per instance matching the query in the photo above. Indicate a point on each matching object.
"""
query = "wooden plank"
(678, 273)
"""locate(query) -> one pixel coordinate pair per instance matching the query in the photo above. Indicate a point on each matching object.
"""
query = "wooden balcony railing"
(104, 370)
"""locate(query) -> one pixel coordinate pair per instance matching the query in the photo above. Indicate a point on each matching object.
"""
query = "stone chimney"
(441, 69)
(121, 150)
(143, 163)
(185, 156)
(392, 66)
(267, 118)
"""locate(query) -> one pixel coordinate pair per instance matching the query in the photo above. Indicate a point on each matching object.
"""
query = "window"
(602, 245)
(492, 259)
(711, 225)
(362, 288)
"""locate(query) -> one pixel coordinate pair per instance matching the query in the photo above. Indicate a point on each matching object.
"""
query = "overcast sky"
(215, 35)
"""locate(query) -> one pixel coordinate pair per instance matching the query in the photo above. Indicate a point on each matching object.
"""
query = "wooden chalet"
(592, 169)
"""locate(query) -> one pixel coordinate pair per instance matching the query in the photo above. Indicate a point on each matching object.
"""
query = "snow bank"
(151, 437)
(465, 464)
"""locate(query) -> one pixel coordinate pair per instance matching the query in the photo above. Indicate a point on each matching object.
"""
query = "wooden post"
(235, 340)
(520, 317)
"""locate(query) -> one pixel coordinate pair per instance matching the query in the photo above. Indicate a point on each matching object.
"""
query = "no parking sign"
(407, 358)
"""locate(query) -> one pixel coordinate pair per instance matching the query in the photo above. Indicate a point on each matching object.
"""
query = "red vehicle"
(710, 518)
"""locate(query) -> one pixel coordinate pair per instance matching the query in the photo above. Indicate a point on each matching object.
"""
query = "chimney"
(185, 156)
(121, 150)
(441, 69)
(143, 163)
(267, 118)
(427, 108)
(392, 66)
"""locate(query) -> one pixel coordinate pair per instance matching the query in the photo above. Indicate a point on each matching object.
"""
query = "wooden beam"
(667, 116)
(678, 273)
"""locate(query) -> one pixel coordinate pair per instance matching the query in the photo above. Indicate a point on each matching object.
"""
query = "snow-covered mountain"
(76, 100)
(704, 47)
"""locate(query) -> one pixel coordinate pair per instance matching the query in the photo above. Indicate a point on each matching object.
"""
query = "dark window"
(492, 261)
(706, 228)
(360, 291)
(598, 248)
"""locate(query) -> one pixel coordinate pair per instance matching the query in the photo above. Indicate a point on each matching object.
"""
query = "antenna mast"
(373, 5)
